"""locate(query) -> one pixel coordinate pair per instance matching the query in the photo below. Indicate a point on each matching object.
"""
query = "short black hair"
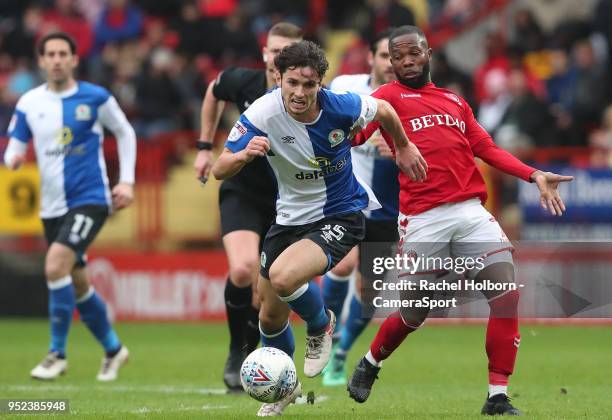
(56, 35)
(302, 54)
(407, 30)
(379, 37)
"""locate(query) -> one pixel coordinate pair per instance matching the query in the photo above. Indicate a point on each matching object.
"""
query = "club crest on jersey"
(263, 259)
(453, 97)
(238, 131)
(82, 112)
(335, 137)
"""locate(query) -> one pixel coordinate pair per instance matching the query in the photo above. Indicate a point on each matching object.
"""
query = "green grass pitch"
(439, 372)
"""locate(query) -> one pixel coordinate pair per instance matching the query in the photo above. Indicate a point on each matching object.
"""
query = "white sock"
(497, 389)
(336, 277)
(372, 360)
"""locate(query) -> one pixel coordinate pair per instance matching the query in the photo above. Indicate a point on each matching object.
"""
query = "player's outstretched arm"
(15, 154)
(547, 183)
(211, 111)
(229, 163)
(407, 155)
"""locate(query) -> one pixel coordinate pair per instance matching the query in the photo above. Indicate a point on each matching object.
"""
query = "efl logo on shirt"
(238, 131)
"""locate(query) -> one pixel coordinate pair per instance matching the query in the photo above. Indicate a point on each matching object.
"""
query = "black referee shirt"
(243, 86)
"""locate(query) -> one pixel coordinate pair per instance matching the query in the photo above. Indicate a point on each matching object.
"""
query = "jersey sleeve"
(473, 130)
(228, 84)
(371, 126)
(368, 110)
(242, 132)
(18, 127)
(112, 117)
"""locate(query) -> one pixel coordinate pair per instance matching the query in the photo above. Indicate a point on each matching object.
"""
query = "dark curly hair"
(302, 54)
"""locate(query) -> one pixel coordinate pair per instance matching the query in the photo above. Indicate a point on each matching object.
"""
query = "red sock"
(503, 337)
(390, 335)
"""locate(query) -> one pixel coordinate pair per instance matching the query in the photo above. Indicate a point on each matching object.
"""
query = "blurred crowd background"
(536, 72)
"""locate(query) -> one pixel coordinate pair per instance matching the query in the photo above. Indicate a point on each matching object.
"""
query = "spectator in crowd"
(497, 99)
(119, 21)
(239, 43)
(157, 96)
(191, 29)
(600, 141)
(443, 74)
(65, 17)
(527, 121)
(527, 34)
(591, 86)
(496, 60)
(20, 39)
(563, 78)
(384, 14)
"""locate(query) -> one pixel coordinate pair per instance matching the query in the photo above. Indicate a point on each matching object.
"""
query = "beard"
(419, 82)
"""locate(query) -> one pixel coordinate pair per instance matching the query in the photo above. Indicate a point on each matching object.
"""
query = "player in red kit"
(444, 217)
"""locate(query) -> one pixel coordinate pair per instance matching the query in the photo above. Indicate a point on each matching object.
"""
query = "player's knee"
(413, 318)
(244, 273)
(505, 305)
(282, 280)
(55, 269)
(343, 269)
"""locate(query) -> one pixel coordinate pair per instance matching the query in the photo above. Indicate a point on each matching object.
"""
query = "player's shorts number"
(82, 225)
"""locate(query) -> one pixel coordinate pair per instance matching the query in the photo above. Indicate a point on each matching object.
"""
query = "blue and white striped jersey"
(67, 129)
(311, 162)
(378, 172)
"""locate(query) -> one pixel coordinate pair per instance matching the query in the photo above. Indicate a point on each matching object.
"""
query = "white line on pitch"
(118, 388)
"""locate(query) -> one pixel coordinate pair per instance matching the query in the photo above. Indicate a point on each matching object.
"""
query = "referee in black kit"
(247, 201)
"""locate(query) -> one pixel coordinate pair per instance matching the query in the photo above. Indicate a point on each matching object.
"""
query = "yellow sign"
(20, 201)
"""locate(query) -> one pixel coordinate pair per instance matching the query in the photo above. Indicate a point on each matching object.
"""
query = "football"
(268, 374)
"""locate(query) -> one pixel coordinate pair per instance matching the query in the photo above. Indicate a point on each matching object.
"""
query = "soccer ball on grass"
(268, 374)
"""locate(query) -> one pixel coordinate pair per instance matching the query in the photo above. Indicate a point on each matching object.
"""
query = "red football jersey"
(443, 127)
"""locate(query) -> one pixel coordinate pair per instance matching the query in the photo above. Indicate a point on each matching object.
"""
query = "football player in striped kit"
(304, 131)
(65, 119)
